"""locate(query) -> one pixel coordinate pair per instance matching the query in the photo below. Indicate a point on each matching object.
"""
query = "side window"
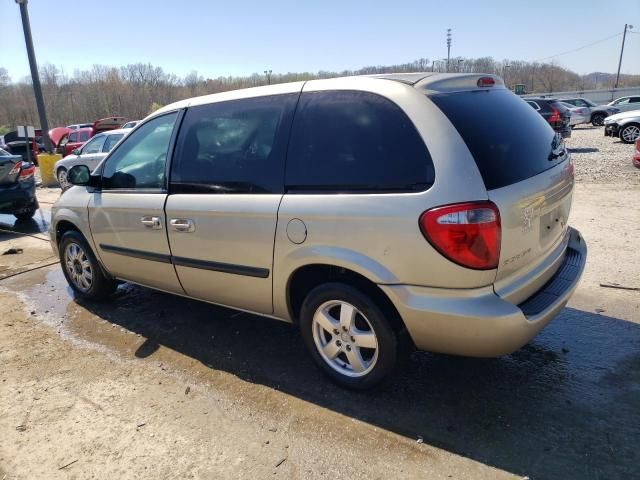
(622, 101)
(350, 141)
(84, 136)
(581, 103)
(73, 137)
(233, 147)
(534, 105)
(634, 100)
(94, 145)
(139, 161)
(111, 141)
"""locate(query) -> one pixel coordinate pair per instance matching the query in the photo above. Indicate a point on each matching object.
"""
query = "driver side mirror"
(79, 175)
(76, 151)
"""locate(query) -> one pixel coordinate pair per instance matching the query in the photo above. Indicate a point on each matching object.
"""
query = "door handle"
(151, 222)
(182, 225)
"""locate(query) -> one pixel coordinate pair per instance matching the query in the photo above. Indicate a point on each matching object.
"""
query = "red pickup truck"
(68, 140)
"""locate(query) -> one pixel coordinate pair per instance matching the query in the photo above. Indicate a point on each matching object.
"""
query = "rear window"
(355, 142)
(509, 140)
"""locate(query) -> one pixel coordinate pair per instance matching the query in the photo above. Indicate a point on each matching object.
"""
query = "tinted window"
(233, 147)
(139, 161)
(509, 141)
(111, 141)
(94, 145)
(84, 136)
(355, 141)
(634, 100)
(73, 137)
(534, 105)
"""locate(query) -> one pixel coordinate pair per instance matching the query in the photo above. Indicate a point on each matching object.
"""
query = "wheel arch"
(305, 278)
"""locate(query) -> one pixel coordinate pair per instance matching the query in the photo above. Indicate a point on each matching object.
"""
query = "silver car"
(579, 115)
(90, 154)
(386, 214)
(625, 126)
(626, 104)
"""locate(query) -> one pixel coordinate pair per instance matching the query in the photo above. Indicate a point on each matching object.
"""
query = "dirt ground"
(150, 385)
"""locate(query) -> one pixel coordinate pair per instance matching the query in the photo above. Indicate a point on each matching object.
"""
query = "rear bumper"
(478, 322)
(17, 196)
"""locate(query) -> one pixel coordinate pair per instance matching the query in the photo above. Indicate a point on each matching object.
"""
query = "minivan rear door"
(226, 187)
(526, 170)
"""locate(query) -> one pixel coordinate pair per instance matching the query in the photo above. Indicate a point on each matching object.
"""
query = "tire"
(340, 353)
(597, 119)
(99, 286)
(26, 215)
(61, 176)
(630, 133)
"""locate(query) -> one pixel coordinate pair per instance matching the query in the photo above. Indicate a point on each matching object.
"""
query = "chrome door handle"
(182, 224)
(151, 222)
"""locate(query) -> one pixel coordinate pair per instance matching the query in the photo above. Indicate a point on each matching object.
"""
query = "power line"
(579, 48)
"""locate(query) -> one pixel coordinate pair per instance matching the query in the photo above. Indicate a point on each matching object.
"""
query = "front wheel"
(348, 336)
(630, 133)
(62, 178)
(597, 120)
(81, 268)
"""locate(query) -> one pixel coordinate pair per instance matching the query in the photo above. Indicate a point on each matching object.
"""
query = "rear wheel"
(597, 119)
(348, 336)
(82, 270)
(630, 133)
(27, 214)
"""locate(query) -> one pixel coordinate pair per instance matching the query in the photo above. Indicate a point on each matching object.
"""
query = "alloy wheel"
(62, 179)
(78, 267)
(631, 133)
(345, 338)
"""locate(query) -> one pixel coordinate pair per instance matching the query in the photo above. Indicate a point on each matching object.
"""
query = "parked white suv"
(377, 213)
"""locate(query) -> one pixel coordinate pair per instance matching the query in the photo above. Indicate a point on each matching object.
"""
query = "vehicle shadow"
(565, 406)
(38, 224)
(583, 150)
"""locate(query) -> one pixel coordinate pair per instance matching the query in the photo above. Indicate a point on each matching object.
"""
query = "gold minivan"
(378, 213)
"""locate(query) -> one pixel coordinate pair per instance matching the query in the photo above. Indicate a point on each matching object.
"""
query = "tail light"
(28, 171)
(16, 168)
(486, 82)
(555, 116)
(466, 233)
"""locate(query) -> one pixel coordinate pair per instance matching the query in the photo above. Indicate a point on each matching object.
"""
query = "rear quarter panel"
(377, 235)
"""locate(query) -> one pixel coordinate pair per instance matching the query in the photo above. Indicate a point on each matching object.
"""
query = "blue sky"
(242, 37)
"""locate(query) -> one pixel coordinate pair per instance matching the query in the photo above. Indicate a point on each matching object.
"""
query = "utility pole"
(448, 48)
(35, 77)
(624, 36)
(268, 75)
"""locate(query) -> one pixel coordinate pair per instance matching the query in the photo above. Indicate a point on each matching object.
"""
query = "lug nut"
(336, 331)
(338, 343)
(348, 348)
(344, 328)
(353, 339)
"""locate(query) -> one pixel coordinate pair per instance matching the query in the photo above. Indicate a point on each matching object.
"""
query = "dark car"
(16, 145)
(17, 186)
(552, 110)
(598, 112)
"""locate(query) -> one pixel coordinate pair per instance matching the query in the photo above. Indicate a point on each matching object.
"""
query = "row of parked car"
(85, 143)
(620, 117)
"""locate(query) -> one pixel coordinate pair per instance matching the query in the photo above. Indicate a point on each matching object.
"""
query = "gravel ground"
(600, 159)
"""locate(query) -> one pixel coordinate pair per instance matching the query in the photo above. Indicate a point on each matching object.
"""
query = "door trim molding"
(221, 267)
(189, 262)
(130, 252)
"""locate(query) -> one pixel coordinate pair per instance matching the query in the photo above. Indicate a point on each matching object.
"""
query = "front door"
(226, 187)
(127, 215)
(90, 152)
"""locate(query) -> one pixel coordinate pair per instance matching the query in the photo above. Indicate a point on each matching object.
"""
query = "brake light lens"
(486, 82)
(28, 171)
(465, 233)
(16, 168)
(555, 116)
